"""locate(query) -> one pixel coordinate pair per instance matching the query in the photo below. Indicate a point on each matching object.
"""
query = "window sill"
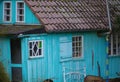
(35, 57)
(112, 56)
(72, 59)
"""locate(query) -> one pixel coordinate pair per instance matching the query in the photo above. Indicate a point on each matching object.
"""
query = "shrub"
(3, 75)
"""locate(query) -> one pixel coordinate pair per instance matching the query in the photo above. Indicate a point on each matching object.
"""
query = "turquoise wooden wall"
(5, 54)
(51, 64)
(30, 18)
(114, 66)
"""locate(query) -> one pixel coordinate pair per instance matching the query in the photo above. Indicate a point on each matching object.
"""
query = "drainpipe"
(108, 14)
(107, 42)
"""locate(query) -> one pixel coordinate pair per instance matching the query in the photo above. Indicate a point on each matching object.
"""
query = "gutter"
(108, 13)
(109, 20)
(107, 42)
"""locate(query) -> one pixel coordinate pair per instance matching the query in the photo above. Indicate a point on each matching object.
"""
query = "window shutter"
(65, 49)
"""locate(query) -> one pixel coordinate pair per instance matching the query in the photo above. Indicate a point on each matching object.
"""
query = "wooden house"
(59, 40)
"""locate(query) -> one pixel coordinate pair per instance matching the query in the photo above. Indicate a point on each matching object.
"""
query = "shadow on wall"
(3, 74)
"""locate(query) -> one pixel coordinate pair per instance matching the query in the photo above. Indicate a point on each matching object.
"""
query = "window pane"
(7, 18)
(20, 12)
(7, 12)
(30, 52)
(30, 45)
(73, 39)
(114, 51)
(35, 48)
(7, 5)
(40, 52)
(40, 44)
(21, 18)
(20, 5)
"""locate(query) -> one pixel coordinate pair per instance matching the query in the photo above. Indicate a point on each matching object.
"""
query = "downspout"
(108, 14)
(107, 41)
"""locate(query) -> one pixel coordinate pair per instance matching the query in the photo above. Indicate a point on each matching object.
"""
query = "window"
(7, 12)
(114, 44)
(35, 48)
(77, 46)
(71, 47)
(20, 12)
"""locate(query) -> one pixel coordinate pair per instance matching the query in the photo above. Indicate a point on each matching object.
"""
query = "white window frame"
(111, 46)
(30, 49)
(17, 12)
(81, 47)
(4, 11)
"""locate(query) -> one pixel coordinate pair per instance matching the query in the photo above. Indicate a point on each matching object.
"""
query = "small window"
(35, 48)
(20, 11)
(7, 12)
(77, 46)
(114, 44)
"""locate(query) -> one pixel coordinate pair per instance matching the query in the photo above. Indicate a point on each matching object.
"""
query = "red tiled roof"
(62, 16)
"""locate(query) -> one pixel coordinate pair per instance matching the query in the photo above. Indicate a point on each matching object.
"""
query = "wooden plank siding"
(29, 16)
(51, 64)
(114, 66)
(5, 57)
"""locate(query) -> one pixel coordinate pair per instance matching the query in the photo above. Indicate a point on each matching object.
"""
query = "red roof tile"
(58, 16)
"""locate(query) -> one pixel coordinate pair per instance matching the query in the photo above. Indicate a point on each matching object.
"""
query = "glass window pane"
(30, 52)
(40, 44)
(40, 52)
(114, 51)
(21, 18)
(20, 5)
(7, 12)
(35, 48)
(7, 18)
(20, 12)
(30, 45)
(7, 5)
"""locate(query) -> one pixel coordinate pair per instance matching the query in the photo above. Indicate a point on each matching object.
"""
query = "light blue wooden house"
(59, 40)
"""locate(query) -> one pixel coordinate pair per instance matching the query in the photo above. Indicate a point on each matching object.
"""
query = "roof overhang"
(14, 30)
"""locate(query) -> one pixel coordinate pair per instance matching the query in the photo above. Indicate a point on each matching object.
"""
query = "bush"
(3, 75)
